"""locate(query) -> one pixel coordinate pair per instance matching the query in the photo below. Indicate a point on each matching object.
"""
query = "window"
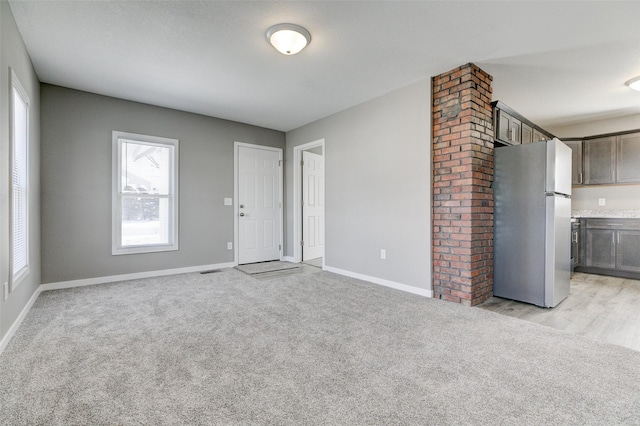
(145, 193)
(19, 182)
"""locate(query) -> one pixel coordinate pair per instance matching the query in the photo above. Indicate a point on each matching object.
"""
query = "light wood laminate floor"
(603, 308)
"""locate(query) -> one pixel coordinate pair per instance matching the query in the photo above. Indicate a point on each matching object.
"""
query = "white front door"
(259, 204)
(312, 205)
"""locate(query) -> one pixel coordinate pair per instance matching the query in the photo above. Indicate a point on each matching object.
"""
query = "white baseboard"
(403, 287)
(288, 259)
(134, 276)
(16, 324)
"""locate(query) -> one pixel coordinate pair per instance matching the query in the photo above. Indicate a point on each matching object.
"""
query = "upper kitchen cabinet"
(600, 160)
(576, 160)
(527, 133)
(512, 128)
(612, 159)
(628, 162)
(539, 136)
(509, 128)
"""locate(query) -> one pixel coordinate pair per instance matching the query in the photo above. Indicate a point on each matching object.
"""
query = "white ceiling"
(555, 62)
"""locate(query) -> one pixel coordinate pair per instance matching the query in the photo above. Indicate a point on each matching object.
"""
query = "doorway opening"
(309, 203)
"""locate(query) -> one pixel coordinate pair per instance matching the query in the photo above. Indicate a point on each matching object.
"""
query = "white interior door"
(312, 205)
(259, 205)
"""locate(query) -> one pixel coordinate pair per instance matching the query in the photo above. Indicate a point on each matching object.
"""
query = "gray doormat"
(263, 267)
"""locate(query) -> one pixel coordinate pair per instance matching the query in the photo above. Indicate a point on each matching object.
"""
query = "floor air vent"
(212, 271)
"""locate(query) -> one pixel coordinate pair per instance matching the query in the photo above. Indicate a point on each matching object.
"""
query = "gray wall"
(14, 55)
(378, 186)
(76, 183)
(617, 197)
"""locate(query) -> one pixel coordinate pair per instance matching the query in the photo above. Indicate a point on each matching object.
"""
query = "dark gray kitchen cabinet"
(610, 247)
(628, 158)
(576, 160)
(600, 248)
(628, 251)
(527, 133)
(599, 160)
(539, 136)
(509, 128)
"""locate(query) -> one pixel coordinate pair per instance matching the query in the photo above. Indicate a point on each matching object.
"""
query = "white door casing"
(297, 197)
(259, 203)
(312, 205)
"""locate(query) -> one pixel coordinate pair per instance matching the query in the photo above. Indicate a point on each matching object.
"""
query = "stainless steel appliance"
(532, 222)
(575, 244)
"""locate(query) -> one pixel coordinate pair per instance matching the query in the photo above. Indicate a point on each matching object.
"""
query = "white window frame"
(17, 89)
(116, 247)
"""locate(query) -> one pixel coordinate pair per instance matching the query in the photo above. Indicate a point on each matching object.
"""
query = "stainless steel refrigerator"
(532, 222)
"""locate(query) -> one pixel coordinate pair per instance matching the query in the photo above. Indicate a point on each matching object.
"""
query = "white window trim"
(18, 276)
(116, 211)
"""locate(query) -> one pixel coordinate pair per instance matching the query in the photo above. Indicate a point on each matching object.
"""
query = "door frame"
(236, 195)
(297, 197)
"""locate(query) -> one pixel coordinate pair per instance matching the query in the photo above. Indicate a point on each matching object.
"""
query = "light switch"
(228, 201)
(601, 201)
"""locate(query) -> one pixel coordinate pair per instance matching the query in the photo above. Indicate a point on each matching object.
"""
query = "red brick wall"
(462, 194)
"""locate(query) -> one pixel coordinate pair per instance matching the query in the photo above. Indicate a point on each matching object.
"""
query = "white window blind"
(145, 209)
(20, 182)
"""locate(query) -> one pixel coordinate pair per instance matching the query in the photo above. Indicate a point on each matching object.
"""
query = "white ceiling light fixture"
(288, 39)
(634, 83)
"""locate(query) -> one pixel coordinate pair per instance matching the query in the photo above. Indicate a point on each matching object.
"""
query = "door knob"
(241, 214)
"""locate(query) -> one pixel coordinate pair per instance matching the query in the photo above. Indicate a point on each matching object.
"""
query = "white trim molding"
(133, 276)
(398, 286)
(297, 195)
(169, 195)
(16, 324)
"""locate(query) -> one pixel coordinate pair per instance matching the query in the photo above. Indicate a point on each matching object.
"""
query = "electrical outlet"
(383, 254)
(5, 290)
(229, 246)
(601, 201)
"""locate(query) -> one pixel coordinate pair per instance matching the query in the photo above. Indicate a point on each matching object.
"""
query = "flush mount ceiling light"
(634, 83)
(288, 39)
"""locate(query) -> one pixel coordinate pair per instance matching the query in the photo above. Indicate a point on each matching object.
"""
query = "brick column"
(462, 194)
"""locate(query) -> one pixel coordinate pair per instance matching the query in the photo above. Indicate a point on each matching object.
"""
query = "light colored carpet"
(303, 349)
(264, 267)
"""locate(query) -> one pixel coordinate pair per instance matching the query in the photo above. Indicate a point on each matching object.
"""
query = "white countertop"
(619, 214)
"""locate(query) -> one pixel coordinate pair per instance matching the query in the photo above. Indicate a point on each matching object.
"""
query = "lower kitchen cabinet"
(628, 251)
(600, 248)
(610, 247)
